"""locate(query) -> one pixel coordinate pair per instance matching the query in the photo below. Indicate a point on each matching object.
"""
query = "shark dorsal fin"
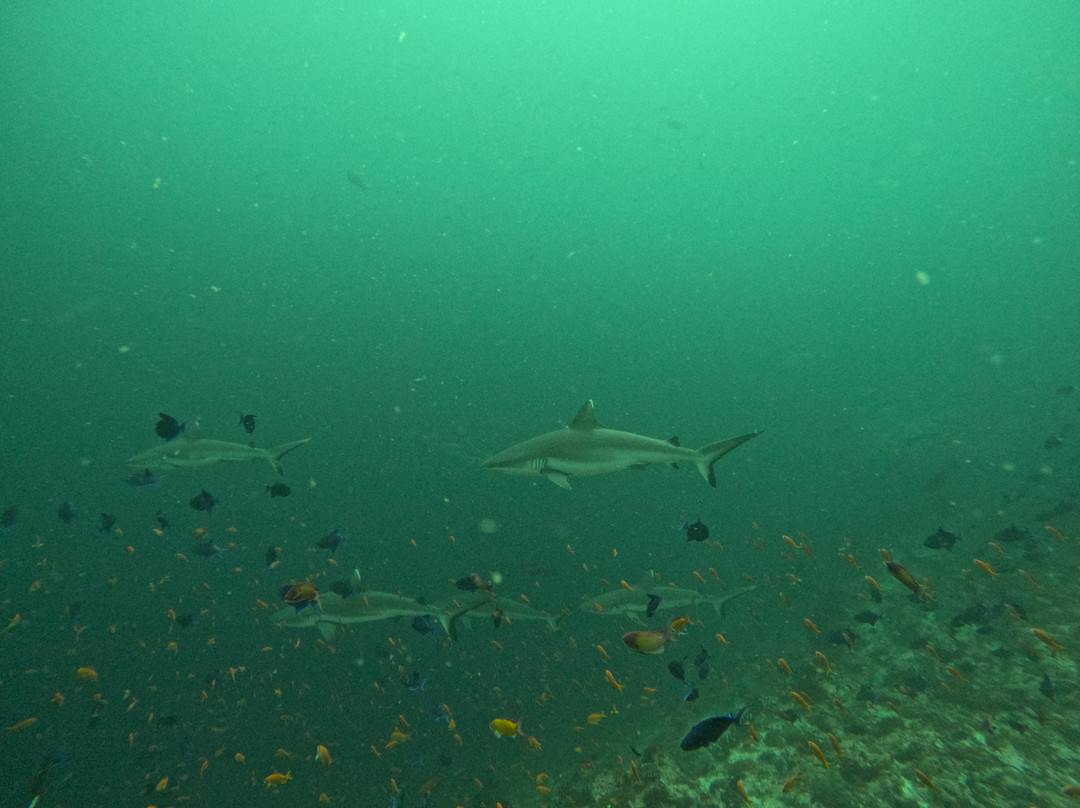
(586, 418)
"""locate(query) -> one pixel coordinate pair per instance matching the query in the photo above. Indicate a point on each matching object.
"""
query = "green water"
(421, 233)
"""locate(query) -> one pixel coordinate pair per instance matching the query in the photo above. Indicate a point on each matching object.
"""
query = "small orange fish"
(836, 745)
(801, 699)
(824, 660)
(634, 769)
(818, 753)
(742, 791)
(927, 782)
(239, 757)
(87, 673)
(1046, 638)
(877, 587)
(784, 666)
(699, 576)
(995, 546)
(274, 780)
(679, 624)
(987, 568)
(322, 754)
(1053, 530)
(505, 728)
(900, 573)
(611, 680)
(596, 718)
(722, 638)
(544, 790)
(626, 586)
(58, 699)
(810, 625)
(955, 672)
(840, 704)
(790, 783)
(24, 724)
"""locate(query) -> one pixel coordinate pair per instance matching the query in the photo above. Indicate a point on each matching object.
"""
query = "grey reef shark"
(195, 453)
(370, 606)
(586, 448)
(634, 602)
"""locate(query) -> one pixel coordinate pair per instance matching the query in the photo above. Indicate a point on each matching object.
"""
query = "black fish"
(695, 532)
(702, 655)
(497, 617)
(690, 695)
(703, 671)
(942, 540)
(168, 427)
(67, 513)
(331, 541)
(271, 555)
(343, 588)
(247, 422)
(161, 520)
(205, 501)
(107, 522)
(8, 517)
(413, 681)
(467, 584)
(705, 732)
(73, 608)
(142, 478)
(867, 616)
(278, 490)
(1046, 687)
(654, 604)
(676, 669)
(186, 620)
(424, 624)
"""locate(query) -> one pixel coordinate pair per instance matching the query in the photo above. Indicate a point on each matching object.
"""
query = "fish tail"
(708, 455)
(279, 452)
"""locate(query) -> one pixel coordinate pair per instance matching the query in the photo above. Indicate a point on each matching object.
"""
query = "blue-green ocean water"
(419, 233)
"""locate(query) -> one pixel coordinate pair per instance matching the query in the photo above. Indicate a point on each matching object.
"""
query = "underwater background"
(419, 233)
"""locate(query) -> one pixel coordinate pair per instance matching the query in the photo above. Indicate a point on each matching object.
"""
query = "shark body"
(194, 453)
(370, 606)
(360, 607)
(633, 602)
(586, 448)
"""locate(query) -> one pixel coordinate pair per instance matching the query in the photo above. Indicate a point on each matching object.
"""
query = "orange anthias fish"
(274, 780)
(322, 754)
(301, 596)
(505, 728)
(900, 573)
(647, 642)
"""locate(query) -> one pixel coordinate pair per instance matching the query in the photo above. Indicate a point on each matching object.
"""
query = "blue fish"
(67, 513)
(8, 517)
(168, 427)
(425, 624)
(690, 695)
(705, 732)
(204, 501)
(654, 604)
(695, 532)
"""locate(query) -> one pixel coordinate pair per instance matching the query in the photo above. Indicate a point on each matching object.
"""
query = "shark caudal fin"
(708, 455)
(279, 452)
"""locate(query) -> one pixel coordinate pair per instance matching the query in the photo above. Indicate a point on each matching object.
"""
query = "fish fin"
(279, 452)
(327, 630)
(557, 477)
(586, 418)
(708, 455)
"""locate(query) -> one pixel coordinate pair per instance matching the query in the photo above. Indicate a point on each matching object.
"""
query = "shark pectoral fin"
(553, 622)
(557, 477)
(708, 455)
(444, 621)
(327, 630)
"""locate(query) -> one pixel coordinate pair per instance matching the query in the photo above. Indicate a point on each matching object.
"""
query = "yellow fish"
(322, 754)
(274, 780)
(505, 728)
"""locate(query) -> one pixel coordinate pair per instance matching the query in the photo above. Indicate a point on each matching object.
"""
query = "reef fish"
(705, 732)
(942, 540)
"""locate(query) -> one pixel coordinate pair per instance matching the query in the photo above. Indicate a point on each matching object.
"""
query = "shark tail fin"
(279, 452)
(708, 455)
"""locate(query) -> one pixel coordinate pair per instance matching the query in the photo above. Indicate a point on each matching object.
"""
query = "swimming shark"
(633, 602)
(586, 448)
(194, 453)
(361, 607)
